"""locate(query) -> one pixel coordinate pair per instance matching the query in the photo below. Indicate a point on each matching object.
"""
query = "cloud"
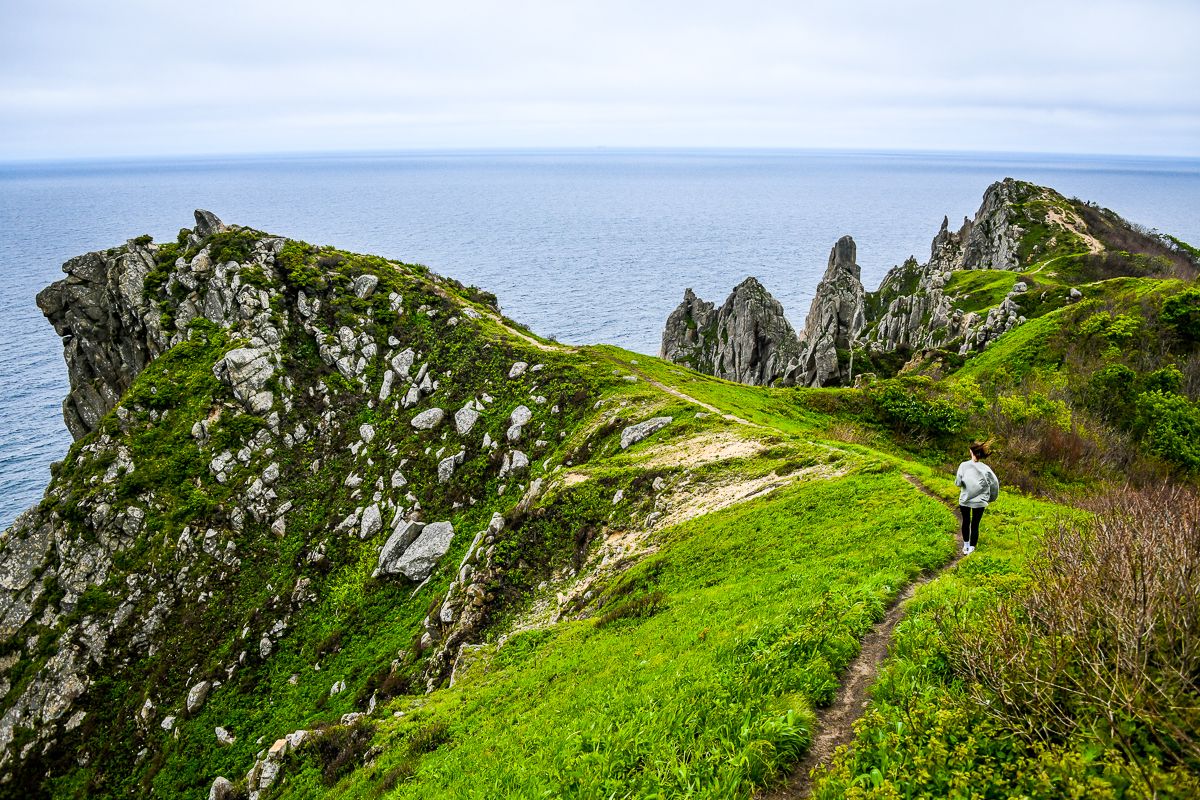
(146, 78)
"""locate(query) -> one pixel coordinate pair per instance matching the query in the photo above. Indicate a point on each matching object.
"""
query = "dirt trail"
(687, 398)
(835, 724)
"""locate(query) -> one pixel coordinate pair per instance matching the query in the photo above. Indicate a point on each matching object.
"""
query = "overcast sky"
(152, 77)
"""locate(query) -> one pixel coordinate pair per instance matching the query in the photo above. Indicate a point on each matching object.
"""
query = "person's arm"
(958, 477)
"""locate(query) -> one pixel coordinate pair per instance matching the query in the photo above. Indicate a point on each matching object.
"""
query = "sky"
(147, 78)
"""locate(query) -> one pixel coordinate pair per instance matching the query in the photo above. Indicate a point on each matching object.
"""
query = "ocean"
(585, 246)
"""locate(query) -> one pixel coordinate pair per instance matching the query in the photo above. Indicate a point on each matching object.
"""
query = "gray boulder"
(208, 224)
(404, 534)
(635, 433)
(364, 286)
(428, 419)
(422, 555)
(222, 789)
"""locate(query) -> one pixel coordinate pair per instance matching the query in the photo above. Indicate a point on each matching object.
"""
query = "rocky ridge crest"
(917, 307)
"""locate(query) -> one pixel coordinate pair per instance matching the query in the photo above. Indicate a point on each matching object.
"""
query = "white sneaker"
(966, 548)
(969, 550)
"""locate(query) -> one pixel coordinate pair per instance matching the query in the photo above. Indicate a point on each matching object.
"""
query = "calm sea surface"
(592, 246)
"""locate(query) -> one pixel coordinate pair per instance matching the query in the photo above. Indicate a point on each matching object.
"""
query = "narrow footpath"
(835, 724)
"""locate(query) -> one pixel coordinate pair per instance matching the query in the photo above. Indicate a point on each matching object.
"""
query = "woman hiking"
(979, 486)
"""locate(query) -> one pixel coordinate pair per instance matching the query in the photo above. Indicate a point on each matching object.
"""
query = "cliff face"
(748, 339)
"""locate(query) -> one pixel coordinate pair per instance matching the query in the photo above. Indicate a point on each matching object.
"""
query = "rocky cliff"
(277, 445)
(1026, 251)
(748, 339)
(835, 319)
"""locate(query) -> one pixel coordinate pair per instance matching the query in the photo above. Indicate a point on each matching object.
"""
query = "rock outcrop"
(748, 339)
(910, 310)
(110, 330)
(835, 320)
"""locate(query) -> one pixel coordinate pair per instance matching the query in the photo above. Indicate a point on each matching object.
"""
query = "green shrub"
(1169, 426)
(234, 245)
(1182, 313)
(905, 409)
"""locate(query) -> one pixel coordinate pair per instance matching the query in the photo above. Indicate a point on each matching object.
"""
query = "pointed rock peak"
(688, 295)
(945, 224)
(751, 284)
(842, 258)
(207, 223)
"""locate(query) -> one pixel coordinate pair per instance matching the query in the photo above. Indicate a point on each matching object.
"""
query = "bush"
(1110, 393)
(340, 748)
(905, 409)
(1103, 643)
(1169, 426)
(1182, 313)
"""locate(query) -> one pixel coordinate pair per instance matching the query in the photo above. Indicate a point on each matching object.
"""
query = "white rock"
(196, 696)
(364, 285)
(518, 369)
(447, 465)
(385, 390)
(367, 432)
(428, 419)
(224, 737)
(635, 433)
(402, 362)
(520, 416)
(422, 555)
(222, 788)
(465, 418)
(372, 522)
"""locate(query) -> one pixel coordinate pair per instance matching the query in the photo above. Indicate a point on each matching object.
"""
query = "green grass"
(924, 736)
(710, 690)
(979, 289)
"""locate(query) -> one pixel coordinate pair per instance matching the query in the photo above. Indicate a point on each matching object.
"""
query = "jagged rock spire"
(835, 319)
(748, 339)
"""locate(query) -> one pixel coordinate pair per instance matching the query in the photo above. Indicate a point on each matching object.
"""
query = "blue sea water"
(588, 246)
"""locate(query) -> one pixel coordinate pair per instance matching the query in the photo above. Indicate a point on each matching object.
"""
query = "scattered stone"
(224, 737)
(372, 522)
(514, 461)
(465, 418)
(196, 696)
(636, 433)
(422, 555)
(447, 465)
(364, 286)
(367, 432)
(222, 788)
(518, 369)
(428, 419)
(404, 534)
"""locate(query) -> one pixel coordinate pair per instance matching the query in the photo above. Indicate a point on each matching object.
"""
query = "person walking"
(978, 487)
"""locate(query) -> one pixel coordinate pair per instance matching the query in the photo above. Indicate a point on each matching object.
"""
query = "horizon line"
(567, 149)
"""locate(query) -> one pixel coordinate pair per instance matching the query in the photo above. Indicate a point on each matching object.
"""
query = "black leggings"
(970, 524)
